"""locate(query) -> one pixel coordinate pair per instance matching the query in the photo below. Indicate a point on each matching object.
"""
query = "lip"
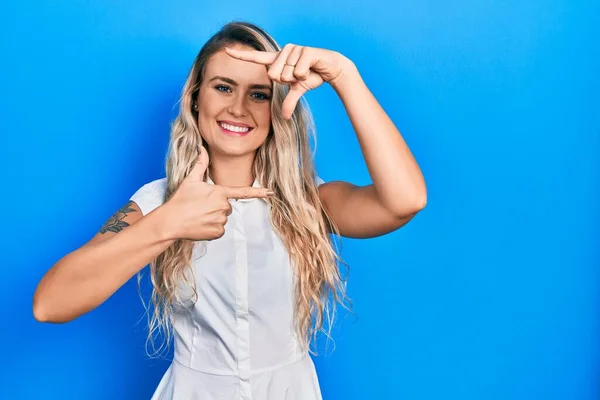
(225, 131)
(241, 125)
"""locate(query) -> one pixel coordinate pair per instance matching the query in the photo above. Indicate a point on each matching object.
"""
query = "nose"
(238, 107)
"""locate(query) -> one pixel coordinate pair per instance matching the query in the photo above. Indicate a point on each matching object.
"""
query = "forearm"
(86, 277)
(396, 175)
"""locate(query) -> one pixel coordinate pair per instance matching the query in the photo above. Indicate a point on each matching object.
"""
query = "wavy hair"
(283, 163)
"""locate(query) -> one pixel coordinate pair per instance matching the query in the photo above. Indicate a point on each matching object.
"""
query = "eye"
(260, 96)
(222, 88)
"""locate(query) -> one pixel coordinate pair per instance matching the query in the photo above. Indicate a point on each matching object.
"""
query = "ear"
(194, 100)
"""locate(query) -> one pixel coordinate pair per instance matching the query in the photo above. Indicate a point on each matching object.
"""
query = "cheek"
(207, 113)
(209, 104)
(263, 117)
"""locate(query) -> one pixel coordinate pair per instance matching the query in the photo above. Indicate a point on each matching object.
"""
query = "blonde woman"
(238, 233)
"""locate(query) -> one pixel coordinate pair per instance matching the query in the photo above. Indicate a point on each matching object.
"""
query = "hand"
(303, 68)
(199, 210)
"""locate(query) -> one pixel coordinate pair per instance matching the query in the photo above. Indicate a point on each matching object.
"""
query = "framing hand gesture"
(303, 68)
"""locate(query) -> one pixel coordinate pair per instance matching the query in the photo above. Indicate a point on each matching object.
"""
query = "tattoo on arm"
(115, 223)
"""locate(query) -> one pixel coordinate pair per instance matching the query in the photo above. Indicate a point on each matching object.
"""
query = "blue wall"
(492, 292)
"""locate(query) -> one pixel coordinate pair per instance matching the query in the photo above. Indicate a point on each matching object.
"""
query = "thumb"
(200, 165)
(290, 102)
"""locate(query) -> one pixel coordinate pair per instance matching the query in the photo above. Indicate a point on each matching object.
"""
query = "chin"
(232, 150)
(235, 146)
(235, 152)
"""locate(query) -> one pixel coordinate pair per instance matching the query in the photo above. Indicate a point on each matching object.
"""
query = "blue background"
(492, 292)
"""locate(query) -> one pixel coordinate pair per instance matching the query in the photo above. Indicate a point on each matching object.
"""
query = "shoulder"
(150, 195)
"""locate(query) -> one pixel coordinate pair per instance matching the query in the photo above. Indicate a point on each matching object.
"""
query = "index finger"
(259, 57)
(246, 192)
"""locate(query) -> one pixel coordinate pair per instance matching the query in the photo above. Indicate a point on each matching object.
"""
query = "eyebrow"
(234, 83)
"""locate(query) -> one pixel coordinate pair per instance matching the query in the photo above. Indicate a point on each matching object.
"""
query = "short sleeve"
(150, 196)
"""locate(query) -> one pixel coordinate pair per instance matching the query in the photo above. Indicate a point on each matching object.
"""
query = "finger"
(246, 192)
(259, 57)
(276, 69)
(290, 101)
(305, 61)
(288, 73)
(227, 209)
(200, 165)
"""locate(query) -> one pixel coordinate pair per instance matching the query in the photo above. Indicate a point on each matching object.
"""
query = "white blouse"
(237, 341)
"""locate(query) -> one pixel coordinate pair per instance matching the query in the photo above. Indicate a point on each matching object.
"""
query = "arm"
(357, 211)
(398, 191)
(88, 276)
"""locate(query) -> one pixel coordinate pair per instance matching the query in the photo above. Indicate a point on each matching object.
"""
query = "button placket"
(241, 303)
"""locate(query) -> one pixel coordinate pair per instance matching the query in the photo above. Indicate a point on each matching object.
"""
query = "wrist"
(163, 223)
(348, 75)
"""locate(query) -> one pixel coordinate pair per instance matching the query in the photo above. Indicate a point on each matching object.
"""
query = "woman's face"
(234, 104)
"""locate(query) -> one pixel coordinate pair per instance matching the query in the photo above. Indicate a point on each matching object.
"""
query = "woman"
(243, 267)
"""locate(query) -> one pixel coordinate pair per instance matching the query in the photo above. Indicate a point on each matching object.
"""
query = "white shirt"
(237, 341)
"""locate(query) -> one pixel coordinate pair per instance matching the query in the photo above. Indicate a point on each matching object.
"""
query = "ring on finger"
(294, 56)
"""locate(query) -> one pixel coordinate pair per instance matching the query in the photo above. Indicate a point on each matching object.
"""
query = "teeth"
(232, 128)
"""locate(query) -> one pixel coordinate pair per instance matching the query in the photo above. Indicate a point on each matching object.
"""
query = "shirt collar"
(256, 184)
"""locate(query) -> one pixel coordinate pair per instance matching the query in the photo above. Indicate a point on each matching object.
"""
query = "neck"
(235, 171)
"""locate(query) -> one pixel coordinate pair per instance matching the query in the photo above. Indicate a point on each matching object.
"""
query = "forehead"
(243, 72)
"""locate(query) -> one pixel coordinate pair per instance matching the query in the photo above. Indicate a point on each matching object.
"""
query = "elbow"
(42, 313)
(421, 203)
(414, 207)
(414, 202)
(406, 209)
(421, 199)
(40, 303)
(39, 312)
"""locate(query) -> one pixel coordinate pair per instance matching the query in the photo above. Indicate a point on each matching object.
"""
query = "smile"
(236, 130)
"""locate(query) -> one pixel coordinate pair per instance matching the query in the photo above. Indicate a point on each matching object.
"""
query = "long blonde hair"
(283, 163)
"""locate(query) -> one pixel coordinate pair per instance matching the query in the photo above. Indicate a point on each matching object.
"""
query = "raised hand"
(303, 68)
(199, 210)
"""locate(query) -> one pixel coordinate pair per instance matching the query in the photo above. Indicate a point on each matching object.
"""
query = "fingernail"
(270, 193)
